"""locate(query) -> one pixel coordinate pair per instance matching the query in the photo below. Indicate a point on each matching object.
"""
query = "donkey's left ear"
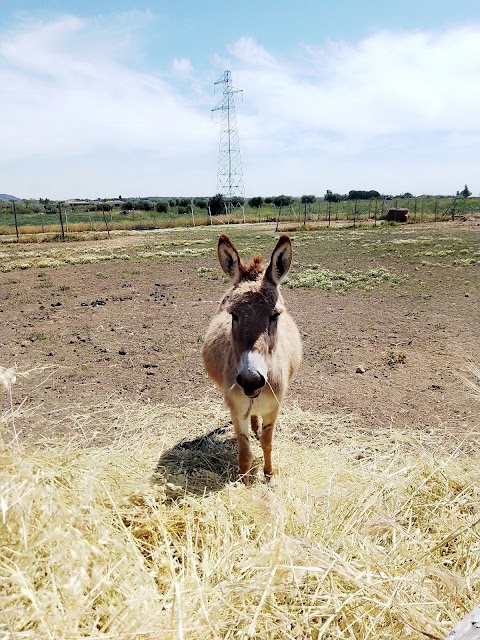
(280, 261)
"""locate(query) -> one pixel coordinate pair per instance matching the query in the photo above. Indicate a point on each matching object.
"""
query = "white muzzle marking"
(252, 361)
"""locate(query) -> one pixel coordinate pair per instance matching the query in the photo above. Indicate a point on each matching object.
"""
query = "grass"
(341, 281)
(149, 536)
(394, 358)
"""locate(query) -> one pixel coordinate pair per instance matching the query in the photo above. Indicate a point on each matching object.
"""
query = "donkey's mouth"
(253, 395)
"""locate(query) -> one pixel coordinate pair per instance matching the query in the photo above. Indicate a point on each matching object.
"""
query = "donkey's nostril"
(250, 381)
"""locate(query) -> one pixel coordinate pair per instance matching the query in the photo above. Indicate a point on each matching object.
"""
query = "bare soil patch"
(126, 317)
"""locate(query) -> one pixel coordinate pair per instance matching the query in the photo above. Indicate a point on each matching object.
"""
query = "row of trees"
(219, 204)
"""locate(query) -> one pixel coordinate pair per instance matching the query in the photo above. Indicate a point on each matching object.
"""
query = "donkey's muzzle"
(251, 381)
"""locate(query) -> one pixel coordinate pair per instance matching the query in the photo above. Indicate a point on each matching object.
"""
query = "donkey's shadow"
(199, 466)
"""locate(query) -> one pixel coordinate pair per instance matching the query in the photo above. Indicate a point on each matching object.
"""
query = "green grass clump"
(342, 281)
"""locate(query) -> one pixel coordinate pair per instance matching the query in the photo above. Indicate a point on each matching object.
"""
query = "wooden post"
(278, 217)
(304, 213)
(329, 213)
(415, 210)
(436, 210)
(106, 223)
(193, 214)
(210, 214)
(375, 213)
(61, 220)
(454, 202)
(15, 217)
(355, 213)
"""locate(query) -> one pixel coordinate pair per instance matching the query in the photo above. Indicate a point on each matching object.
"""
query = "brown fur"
(252, 319)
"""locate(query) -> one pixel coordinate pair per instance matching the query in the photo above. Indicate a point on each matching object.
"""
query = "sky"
(113, 98)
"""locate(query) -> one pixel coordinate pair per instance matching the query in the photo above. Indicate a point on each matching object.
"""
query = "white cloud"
(395, 111)
(65, 96)
(182, 66)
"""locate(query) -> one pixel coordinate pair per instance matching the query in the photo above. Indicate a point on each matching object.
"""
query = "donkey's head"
(255, 305)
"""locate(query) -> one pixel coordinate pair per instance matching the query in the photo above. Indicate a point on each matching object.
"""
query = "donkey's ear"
(229, 258)
(280, 261)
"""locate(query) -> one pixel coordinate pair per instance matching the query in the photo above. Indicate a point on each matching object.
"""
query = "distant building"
(77, 203)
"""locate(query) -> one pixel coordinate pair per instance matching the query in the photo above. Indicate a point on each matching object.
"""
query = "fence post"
(106, 223)
(15, 217)
(61, 220)
(454, 202)
(278, 217)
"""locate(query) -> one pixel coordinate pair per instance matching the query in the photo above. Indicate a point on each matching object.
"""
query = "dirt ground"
(132, 325)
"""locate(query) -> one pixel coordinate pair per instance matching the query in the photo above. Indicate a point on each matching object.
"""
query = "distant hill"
(5, 196)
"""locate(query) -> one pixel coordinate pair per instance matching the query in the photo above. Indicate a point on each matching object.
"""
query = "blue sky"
(113, 98)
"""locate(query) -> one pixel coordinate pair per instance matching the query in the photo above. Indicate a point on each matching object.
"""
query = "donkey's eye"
(234, 317)
(274, 316)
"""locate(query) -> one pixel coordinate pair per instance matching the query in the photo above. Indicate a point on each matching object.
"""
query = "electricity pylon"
(230, 175)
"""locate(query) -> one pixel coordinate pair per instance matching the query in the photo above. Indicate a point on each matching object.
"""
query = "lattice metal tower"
(230, 175)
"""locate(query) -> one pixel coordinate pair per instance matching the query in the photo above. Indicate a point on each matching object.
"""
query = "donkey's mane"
(254, 269)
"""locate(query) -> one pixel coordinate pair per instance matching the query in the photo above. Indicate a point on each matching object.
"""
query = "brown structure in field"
(397, 214)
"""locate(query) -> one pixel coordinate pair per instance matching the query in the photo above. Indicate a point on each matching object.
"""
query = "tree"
(161, 207)
(282, 201)
(332, 197)
(363, 195)
(201, 203)
(466, 192)
(217, 205)
(256, 202)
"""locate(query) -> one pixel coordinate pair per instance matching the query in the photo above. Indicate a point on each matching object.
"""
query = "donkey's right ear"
(229, 258)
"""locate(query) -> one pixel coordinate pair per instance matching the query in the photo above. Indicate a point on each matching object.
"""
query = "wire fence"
(22, 218)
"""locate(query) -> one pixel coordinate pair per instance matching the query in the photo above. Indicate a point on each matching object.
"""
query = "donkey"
(252, 347)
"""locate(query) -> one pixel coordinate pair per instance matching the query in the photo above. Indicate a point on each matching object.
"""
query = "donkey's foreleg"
(245, 457)
(266, 442)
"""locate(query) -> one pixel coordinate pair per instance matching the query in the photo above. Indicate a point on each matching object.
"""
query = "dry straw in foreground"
(147, 536)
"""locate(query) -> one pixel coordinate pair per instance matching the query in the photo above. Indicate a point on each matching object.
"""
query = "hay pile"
(148, 537)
